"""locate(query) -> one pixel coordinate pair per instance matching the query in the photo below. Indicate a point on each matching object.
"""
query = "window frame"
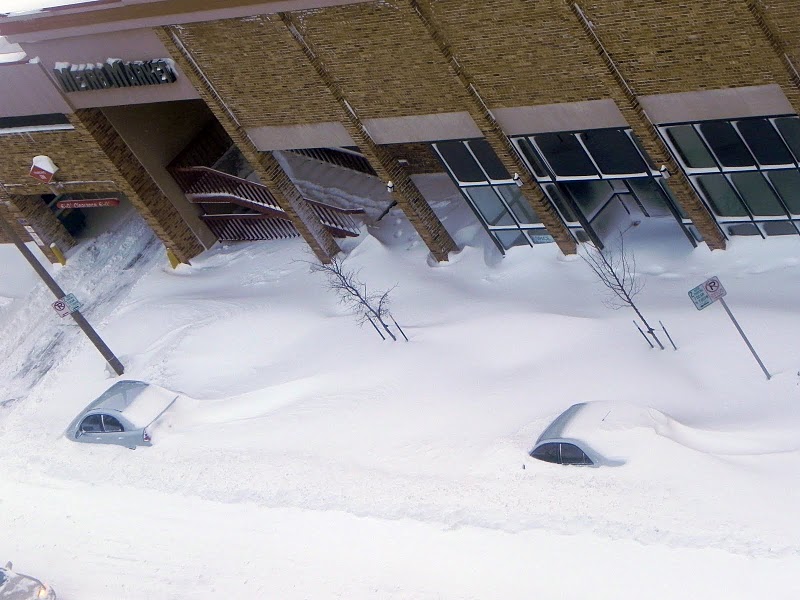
(727, 223)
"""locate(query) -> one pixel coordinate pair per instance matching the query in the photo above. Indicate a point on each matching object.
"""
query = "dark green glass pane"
(489, 205)
(788, 185)
(720, 196)
(613, 151)
(590, 196)
(790, 130)
(692, 150)
(565, 154)
(757, 194)
(764, 142)
(518, 204)
(726, 144)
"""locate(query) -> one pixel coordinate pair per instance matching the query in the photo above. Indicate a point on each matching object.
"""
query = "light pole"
(112, 360)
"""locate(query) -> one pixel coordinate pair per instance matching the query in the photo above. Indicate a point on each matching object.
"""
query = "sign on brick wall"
(114, 74)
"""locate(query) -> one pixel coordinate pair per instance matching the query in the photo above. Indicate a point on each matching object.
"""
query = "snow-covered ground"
(307, 458)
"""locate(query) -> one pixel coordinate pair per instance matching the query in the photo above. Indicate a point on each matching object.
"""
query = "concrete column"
(265, 165)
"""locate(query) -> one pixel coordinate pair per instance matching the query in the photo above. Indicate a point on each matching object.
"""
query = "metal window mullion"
(783, 138)
(582, 219)
(589, 154)
(515, 141)
(713, 154)
(469, 201)
(729, 178)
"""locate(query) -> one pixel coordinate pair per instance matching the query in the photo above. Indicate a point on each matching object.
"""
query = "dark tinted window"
(726, 144)
(790, 130)
(489, 205)
(565, 154)
(572, 455)
(533, 158)
(765, 142)
(34, 121)
(92, 424)
(757, 194)
(3, 577)
(788, 185)
(691, 148)
(460, 161)
(613, 151)
(548, 453)
(111, 425)
(488, 160)
(721, 196)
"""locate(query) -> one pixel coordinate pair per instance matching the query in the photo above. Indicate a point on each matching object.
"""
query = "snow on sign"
(43, 169)
(707, 293)
(61, 308)
(66, 305)
(73, 304)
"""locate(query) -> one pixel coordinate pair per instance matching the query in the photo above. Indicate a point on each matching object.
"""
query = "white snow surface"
(15, 7)
(308, 458)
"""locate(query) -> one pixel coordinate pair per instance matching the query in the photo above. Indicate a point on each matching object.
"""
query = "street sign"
(61, 308)
(714, 289)
(73, 304)
(707, 293)
(88, 203)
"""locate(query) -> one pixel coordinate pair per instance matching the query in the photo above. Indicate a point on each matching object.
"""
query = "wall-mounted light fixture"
(390, 187)
(664, 172)
(517, 179)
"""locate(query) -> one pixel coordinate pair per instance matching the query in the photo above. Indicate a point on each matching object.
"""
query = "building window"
(599, 180)
(492, 193)
(747, 171)
(48, 122)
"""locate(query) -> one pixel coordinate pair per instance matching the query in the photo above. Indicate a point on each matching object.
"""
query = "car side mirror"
(9, 565)
(79, 434)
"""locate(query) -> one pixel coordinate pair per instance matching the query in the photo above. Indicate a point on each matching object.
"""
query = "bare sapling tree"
(615, 267)
(366, 306)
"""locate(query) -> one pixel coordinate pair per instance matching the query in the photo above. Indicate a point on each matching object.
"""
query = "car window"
(112, 425)
(572, 455)
(92, 424)
(3, 577)
(547, 452)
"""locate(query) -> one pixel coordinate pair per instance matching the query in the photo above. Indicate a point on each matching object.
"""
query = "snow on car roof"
(139, 402)
(582, 421)
(147, 405)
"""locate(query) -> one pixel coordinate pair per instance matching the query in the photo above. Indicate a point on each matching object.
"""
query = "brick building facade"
(558, 121)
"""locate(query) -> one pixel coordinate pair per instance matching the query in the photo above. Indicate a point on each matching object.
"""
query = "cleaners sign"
(114, 74)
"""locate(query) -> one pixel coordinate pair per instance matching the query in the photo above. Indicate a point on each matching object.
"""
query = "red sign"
(87, 203)
(41, 174)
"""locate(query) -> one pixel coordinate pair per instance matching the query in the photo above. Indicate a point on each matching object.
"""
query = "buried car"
(604, 433)
(15, 586)
(122, 415)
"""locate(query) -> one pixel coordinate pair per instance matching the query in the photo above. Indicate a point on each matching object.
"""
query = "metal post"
(744, 337)
(51, 283)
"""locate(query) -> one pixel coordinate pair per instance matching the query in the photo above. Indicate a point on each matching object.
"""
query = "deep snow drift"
(309, 459)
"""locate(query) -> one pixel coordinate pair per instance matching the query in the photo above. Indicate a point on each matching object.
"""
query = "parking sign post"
(709, 292)
(64, 301)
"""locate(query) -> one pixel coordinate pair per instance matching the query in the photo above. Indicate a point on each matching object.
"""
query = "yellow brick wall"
(255, 65)
(522, 53)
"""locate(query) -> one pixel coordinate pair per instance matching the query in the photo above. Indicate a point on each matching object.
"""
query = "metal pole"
(51, 283)
(744, 337)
